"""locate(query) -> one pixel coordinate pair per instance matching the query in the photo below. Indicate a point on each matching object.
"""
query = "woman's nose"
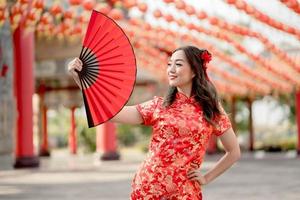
(172, 69)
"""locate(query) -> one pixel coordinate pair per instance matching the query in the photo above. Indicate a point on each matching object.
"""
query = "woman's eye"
(178, 64)
(169, 64)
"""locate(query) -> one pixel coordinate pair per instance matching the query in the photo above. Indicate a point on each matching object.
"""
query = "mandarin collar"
(181, 97)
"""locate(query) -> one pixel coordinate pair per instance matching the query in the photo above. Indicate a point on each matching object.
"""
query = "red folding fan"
(109, 69)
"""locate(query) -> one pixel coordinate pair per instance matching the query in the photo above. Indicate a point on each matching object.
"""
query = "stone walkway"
(255, 177)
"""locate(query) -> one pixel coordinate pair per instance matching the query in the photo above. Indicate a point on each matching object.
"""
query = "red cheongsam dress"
(180, 137)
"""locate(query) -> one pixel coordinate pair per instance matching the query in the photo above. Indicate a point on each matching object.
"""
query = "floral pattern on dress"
(180, 137)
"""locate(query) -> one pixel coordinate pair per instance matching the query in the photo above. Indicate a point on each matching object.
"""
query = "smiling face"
(179, 70)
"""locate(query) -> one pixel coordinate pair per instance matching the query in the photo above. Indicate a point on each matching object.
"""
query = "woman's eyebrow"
(176, 60)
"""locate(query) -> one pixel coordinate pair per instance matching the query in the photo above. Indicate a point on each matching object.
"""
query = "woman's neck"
(187, 91)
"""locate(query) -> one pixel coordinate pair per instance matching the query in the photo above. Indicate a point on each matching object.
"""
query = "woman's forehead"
(178, 55)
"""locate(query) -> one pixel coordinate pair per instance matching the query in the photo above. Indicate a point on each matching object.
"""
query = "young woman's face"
(179, 71)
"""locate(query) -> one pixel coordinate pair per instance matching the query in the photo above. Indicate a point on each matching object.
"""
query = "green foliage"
(87, 139)
(289, 100)
(130, 135)
(59, 126)
(125, 135)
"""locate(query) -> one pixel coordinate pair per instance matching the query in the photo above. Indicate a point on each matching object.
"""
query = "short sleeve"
(147, 109)
(222, 122)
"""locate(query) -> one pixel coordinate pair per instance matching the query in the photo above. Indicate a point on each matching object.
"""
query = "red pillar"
(23, 89)
(107, 141)
(251, 131)
(72, 134)
(298, 119)
(44, 148)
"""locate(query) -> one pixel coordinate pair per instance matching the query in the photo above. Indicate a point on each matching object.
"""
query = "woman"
(183, 122)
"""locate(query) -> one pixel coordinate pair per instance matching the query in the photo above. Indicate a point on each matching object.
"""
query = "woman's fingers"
(75, 64)
(194, 165)
(191, 174)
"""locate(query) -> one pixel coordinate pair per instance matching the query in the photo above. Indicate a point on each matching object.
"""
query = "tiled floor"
(255, 177)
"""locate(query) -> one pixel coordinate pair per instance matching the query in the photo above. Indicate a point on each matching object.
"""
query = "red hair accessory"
(206, 57)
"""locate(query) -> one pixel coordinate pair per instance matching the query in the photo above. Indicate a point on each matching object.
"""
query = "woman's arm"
(128, 115)
(232, 154)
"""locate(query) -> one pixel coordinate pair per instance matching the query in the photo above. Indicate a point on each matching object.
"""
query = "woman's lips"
(172, 77)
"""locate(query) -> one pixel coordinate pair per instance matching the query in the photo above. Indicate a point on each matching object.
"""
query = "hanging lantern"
(83, 18)
(38, 4)
(201, 15)
(249, 10)
(180, 22)
(69, 14)
(89, 4)
(142, 7)
(46, 19)
(231, 1)
(157, 13)
(15, 16)
(56, 10)
(75, 2)
(116, 14)
(214, 20)
(31, 17)
(134, 21)
(240, 4)
(169, 18)
(190, 10)
(103, 8)
(179, 4)
(129, 3)
(3, 15)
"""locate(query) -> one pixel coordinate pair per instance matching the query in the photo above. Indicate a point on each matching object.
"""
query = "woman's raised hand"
(73, 67)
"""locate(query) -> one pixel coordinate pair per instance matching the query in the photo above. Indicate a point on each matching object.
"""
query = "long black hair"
(203, 89)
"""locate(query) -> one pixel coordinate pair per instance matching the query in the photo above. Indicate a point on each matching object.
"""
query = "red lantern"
(129, 3)
(191, 26)
(75, 2)
(190, 10)
(89, 4)
(56, 9)
(231, 1)
(15, 15)
(24, 1)
(38, 4)
(214, 20)
(116, 14)
(157, 14)
(169, 18)
(103, 8)
(3, 15)
(69, 14)
(240, 4)
(46, 19)
(77, 30)
(147, 27)
(180, 22)
(179, 4)
(201, 15)
(32, 15)
(134, 21)
(249, 9)
(142, 7)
